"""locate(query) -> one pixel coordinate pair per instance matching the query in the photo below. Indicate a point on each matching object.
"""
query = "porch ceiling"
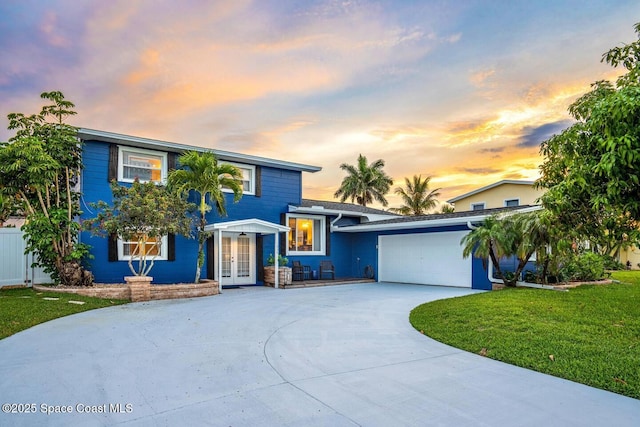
(252, 225)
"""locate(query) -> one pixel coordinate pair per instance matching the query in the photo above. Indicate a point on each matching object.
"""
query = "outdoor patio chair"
(300, 272)
(326, 267)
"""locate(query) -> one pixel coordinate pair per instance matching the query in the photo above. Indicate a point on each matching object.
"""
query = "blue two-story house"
(273, 217)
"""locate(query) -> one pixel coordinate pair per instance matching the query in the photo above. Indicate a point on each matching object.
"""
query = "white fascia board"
(410, 224)
(253, 225)
(319, 210)
(155, 144)
(427, 223)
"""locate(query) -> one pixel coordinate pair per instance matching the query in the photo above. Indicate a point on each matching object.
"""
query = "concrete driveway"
(334, 356)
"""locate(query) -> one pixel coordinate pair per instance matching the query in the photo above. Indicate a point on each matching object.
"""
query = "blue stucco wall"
(279, 189)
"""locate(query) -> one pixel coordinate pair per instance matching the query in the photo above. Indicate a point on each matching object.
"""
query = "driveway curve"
(334, 356)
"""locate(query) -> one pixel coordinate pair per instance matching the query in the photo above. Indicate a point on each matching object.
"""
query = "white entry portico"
(235, 249)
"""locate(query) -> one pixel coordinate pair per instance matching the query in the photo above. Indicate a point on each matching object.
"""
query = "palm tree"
(416, 197)
(203, 174)
(488, 240)
(364, 183)
(518, 235)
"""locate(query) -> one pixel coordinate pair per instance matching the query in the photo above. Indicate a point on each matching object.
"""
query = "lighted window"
(145, 165)
(248, 178)
(155, 248)
(307, 235)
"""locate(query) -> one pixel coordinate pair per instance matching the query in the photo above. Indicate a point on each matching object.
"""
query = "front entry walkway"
(327, 356)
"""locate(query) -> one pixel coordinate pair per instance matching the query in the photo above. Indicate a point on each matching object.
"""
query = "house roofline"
(487, 187)
(321, 210)
(388, 225)
(135, 141)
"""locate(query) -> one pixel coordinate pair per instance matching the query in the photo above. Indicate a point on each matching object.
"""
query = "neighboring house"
(271, 217)
(515, 193)
(505, 193)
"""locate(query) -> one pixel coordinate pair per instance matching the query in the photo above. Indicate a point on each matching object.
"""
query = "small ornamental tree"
(141, 215)
(40, 170)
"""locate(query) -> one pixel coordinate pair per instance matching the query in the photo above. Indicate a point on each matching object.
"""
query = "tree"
(364, 183)
(592, 169)
(40, 168)
(142, 214)
(518, 235)
(203, 174)
(8, 205)
(417, 198)
(447, 208)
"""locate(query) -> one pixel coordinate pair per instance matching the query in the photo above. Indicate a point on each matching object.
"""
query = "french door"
(238, 259)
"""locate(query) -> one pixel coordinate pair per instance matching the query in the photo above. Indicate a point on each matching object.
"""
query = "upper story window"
(248, 178)
(307, 235)
(146, 165)
(512, 202)
(477, 206)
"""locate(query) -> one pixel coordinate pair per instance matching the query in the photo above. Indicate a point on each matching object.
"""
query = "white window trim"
(141, 151)
(484, 205)
(164, 250)
(252, 181)
(509, 200)
(323, 243)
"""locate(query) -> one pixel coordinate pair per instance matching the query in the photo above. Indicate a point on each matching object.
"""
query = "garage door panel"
(427, 258)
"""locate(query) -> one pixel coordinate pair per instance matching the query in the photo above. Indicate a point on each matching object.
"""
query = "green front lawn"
(589, 334)
(23, 308)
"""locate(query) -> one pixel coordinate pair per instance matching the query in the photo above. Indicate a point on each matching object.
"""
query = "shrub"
(585, 266)
(282, 261)
(610, 263)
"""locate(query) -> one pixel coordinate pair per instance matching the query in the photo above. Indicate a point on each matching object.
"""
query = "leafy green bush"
(610, 263)
(531, 276)
(583, 267)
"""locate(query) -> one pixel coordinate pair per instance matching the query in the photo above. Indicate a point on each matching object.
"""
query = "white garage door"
(428, 258)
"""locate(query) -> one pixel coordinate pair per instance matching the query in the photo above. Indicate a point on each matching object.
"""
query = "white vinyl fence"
(15, 266)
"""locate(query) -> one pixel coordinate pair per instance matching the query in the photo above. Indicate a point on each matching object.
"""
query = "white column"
(275, 251)
(220, 261)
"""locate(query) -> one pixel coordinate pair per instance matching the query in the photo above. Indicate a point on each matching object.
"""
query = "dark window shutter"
(258, 180)
(112, 241)
(171, 161)
(260, 257)
(283, 236)
(171, 247)
(327, 240)
(211, 274)
(113, 163)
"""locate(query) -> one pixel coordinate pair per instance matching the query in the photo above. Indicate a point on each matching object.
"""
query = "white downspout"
(490, 266)
(333, 223)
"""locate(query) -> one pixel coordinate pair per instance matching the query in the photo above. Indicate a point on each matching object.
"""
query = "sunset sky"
(463, 91)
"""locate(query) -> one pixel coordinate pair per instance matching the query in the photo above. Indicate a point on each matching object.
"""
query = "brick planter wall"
(156, 292)
(284, 276)
(140, 287)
